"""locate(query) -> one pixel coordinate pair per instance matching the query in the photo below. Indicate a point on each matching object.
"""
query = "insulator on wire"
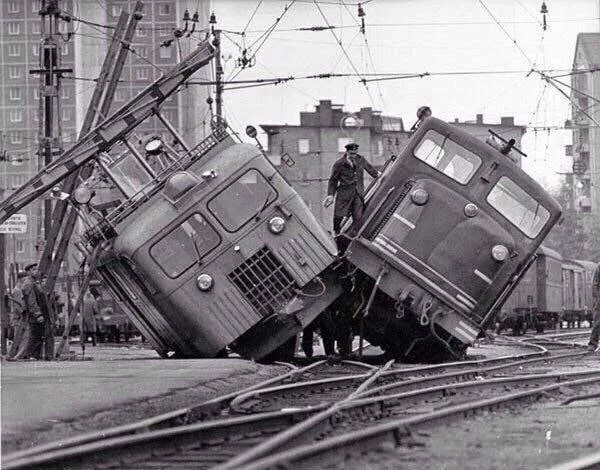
(196, 17)
(186, 15)
(543, 11)
(361, 15)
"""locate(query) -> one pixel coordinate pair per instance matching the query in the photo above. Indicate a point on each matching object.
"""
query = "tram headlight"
(471, 210)
(276, 224)
(499, 252)
(204, 282)
(419, 197)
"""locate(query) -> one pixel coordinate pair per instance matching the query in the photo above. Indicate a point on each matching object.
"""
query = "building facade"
(305, 153)
(83, 44)
(585, 122)
(21, 107)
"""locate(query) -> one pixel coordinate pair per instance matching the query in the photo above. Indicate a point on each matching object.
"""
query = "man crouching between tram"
(346, 183)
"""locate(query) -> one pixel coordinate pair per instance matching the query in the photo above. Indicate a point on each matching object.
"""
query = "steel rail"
(213, 408)
(173, 418)
(590, 461)
(327, 451)
(461, 375)
(391, 379)
(99, 440)
(131, 449)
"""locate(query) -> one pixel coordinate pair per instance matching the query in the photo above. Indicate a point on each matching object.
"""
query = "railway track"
(278, 405)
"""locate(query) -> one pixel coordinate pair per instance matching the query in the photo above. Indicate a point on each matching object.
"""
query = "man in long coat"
(346, 183)
(34, 302)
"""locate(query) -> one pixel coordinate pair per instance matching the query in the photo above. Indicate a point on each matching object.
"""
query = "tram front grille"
(264, 281)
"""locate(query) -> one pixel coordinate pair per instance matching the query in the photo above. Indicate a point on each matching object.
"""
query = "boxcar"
(537, 300)
(449, 230)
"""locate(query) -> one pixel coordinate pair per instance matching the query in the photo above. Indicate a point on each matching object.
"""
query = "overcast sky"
(491, 37)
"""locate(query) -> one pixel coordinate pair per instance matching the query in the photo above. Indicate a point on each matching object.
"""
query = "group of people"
(31, 318)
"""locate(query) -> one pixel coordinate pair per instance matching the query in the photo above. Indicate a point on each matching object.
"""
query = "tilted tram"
(223, 253)
(448, 232)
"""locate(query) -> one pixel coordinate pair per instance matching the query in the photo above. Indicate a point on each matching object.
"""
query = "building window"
(142, 74)
(36, 116)
(141, 32)
(142, 52)
(14, 50)
(36, 94)
(119, 96)
(14, 28)
(164, 52)
(164, 9)
(15, 115)
(13, 7)
(65, 93)
(16, 138)
(35, 49)
(303, 146)
(14, 94)
(378, 147)
(66, 114)
(20, 246)
(16, 181)
(14, 72)
(63, 27)
(36, 28)
(116, 10)
(342, 142)
(35, 6)
(64, 50)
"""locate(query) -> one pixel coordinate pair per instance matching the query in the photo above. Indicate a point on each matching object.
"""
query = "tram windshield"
(445, 155)
(516, 205)
(185, 246)
(242, 200)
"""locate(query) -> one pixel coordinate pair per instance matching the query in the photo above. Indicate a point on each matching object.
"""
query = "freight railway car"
(554, 290)
(449, 230)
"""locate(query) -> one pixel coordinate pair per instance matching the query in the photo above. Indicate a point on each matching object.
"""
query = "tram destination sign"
(16, 223)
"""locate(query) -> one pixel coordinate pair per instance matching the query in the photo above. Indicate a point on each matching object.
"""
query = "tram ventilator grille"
(264, 281)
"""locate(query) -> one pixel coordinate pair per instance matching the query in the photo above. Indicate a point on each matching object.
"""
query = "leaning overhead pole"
(115, 128)
(102, 99)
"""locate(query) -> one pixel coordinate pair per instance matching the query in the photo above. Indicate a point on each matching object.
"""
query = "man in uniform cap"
(346, 183)
(34, 302)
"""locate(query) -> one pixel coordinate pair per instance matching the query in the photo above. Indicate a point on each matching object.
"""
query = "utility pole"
(218, 69)
(50, 126)
(49, 114)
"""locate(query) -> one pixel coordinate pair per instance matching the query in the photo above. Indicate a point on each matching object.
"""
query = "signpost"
(16, 223)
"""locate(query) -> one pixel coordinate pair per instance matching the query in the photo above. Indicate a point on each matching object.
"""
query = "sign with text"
(16, 223)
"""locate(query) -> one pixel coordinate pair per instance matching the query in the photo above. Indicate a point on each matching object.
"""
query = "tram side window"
(516, 205)
(185, 246)
(447, 156)
(242, 200)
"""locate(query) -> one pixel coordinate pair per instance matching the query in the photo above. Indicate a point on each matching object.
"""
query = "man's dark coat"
(347, 182)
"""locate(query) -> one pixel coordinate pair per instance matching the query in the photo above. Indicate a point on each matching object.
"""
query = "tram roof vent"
(178, 184)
